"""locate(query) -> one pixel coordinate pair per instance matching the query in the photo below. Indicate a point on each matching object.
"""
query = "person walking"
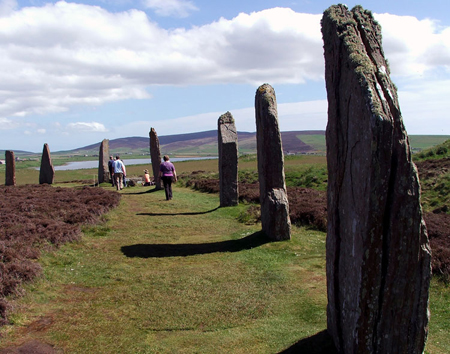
(111, 170)
(168, 175)
(119, 172)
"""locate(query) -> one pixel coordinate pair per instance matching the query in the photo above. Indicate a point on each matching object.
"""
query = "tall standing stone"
(378, 255)
(272, 187)
(228, 160)
(103, 158)
(155, 155)
(10, 175)
(46, 172)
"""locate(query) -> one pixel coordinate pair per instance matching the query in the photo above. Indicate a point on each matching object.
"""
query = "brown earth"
(34, 217)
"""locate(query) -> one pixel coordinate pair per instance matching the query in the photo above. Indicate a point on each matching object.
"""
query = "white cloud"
(41, 131)
(87, 127)
(414, 46)
(6, 124)
(63, 55)
(7, 7)
(177, 8)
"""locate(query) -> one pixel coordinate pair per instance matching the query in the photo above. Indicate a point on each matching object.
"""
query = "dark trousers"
(167, 181)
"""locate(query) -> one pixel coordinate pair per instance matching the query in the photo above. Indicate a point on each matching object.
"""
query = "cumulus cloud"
(6, 124)
(177, 8)
(414, 46)
(63, 55)
(87, 127)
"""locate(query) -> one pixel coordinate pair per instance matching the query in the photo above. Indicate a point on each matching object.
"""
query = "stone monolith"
(272, 187)
(228, 160)
(46, 172)
(378, 255)
(155, 155)
(10, 173)
(103, 158)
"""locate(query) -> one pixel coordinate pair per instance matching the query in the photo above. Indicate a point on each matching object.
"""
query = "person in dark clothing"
(111, 170)
(168, 175)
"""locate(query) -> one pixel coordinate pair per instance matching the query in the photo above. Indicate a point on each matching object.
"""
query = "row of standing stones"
(378, 255)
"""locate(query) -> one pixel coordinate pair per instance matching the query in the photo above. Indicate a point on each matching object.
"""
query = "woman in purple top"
(168, 174)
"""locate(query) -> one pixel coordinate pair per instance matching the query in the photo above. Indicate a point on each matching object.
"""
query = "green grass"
(317, 141)
(239, 299)
(439, 151)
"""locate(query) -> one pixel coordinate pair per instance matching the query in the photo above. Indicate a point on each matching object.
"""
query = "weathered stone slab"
(103, 158)
(10, 173)
(378, 255)
(228, 160)
(46, 172)
(155, 155)
(273, 197)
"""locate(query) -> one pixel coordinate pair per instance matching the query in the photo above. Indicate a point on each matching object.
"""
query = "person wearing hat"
(146, 179)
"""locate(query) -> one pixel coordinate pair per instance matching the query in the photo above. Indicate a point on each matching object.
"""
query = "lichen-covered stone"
(103, 158)
(228, 160)
(378, 255)
(46, 172)
(155, 155)
(273, 197)
(10, 173)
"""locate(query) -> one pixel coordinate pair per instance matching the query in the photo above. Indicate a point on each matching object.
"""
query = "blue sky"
(74, 73)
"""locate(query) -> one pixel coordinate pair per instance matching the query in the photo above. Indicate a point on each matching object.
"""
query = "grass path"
(178, 276)
(182, 277)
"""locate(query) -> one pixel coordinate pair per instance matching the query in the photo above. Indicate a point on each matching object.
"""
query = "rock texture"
(46, 172)
(103, 158)
(378, 255)
(272, 187)
(155, 155)
(228, 160)
(10, 174)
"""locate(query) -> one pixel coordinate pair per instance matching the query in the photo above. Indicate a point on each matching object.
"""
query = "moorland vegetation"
(212, 282)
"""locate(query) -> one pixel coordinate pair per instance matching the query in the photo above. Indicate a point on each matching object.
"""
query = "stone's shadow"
(320, 343)
(190, 249)
(144, 192)
(173, 214)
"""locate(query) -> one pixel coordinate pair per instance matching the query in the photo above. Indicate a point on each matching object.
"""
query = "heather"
(307, 200)
(35, 217)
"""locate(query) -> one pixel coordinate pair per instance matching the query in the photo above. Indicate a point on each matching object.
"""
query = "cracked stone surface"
(46, 172)
(378, 255)
(103, 158)
(10, 173)
(228, 160)
(155, 155)
(272, 187)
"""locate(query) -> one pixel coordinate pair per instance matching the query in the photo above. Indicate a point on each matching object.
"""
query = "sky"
(73, 73)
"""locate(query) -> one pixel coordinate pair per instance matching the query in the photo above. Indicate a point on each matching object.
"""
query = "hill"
(205, 143)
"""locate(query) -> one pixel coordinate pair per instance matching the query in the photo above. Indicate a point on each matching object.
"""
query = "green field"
(185, 277)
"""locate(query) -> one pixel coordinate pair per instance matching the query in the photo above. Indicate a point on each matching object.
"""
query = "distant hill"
(205, 143)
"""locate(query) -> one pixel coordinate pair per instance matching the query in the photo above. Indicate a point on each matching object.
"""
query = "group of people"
(167, 173)
(117, 172)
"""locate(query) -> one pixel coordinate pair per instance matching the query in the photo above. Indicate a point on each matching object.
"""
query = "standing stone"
(47, 172)
(272, 187)
(10, 175)
(155, 155)
(228, 160)
(103, 158)
(378, 255)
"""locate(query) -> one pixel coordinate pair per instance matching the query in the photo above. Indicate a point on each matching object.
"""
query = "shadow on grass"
(320, 343)
(190, 249)
(172, 214)
(144, 192)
